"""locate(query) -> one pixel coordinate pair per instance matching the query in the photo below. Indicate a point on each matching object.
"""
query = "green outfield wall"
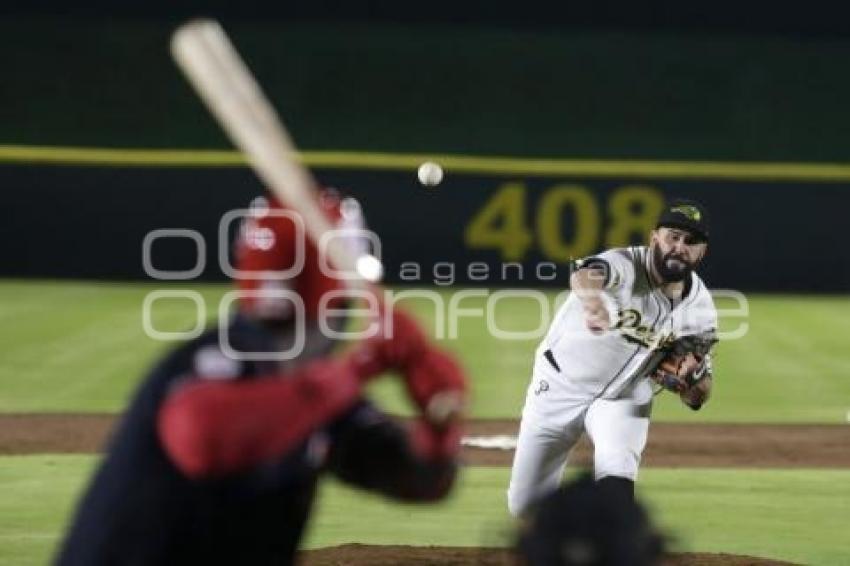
(601, 128)
(441, 88)
(493, 221)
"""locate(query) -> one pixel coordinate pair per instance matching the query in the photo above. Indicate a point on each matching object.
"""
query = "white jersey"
(607, 365)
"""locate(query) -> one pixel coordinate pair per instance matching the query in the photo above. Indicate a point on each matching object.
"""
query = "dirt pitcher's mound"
(391, 555)
(369, 555)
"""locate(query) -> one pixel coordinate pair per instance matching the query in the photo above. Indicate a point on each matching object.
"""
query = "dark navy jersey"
(140, 509)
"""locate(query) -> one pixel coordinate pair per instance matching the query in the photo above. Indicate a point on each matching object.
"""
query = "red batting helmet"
(273, 253)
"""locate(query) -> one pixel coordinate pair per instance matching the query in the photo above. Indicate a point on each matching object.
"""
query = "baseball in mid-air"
(430, 174)
(370, 268)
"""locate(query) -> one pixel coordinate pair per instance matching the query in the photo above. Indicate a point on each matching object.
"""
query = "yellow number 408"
(502, 223)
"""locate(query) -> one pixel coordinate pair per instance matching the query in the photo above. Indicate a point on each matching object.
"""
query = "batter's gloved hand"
(404, 341)
(437, 386)
(396, 346)
(434, 380)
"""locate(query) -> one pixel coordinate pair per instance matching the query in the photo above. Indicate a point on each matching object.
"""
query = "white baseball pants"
(554, 418)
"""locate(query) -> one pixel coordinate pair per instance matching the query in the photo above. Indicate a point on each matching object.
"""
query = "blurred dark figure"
(219, 454)
(588, 523)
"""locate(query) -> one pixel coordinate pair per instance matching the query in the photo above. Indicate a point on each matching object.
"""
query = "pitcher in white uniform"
(591, 372)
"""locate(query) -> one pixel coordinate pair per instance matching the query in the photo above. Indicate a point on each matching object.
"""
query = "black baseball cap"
(687, 215)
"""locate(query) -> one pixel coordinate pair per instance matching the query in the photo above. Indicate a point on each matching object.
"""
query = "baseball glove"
(685, 368)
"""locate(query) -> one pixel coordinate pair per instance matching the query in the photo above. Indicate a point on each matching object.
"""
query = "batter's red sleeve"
(210, 428)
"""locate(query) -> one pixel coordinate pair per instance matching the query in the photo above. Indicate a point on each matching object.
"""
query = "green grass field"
(799, 515)
(80, 347)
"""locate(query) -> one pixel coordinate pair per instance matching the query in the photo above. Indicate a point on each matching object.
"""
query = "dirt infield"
(670, 445)
(367, 555)
(707, 446)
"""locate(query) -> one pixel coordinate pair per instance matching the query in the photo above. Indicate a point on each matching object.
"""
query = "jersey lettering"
(631, 329)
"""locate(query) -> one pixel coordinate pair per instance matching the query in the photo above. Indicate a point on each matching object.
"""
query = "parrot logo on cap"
(691, 212)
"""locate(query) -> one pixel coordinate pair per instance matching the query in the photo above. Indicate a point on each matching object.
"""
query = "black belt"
(550, 357)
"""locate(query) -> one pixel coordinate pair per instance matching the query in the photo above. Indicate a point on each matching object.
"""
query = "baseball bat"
(221, 78)
(231, 93)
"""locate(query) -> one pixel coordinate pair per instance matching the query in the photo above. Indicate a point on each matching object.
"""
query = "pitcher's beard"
(670, 273)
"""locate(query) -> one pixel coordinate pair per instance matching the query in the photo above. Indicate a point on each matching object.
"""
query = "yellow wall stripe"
(502, 166)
